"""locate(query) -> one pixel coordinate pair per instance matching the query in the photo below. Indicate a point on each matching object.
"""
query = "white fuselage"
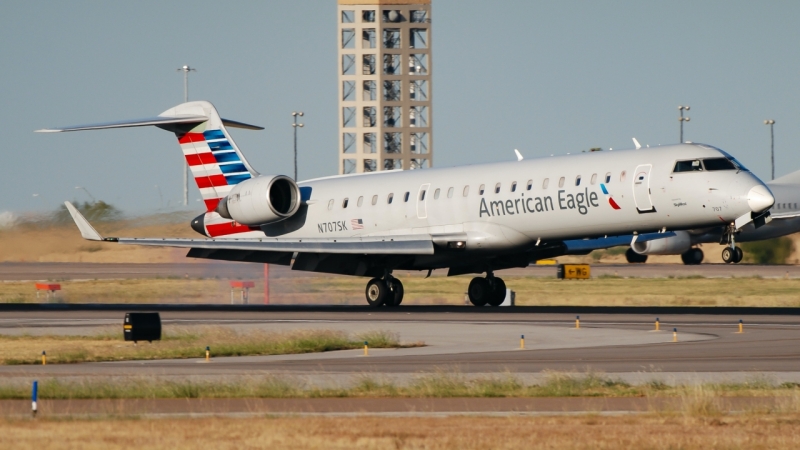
(525, 202)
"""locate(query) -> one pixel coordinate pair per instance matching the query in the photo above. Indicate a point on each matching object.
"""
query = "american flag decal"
(357, 224)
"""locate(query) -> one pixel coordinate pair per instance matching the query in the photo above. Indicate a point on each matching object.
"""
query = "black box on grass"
(142, 326)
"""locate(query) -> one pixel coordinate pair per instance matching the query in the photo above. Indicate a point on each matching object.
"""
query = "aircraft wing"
(790, 215)
(584, 246)
(417, 244)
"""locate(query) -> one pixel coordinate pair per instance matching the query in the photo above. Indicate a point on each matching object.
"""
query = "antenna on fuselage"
(636, 143)
(519, 155)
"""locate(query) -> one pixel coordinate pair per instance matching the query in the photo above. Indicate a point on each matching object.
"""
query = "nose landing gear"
(731, 253)
(487, 291)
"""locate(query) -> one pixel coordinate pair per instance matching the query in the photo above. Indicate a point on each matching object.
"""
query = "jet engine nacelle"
(261, 200)
(673, 245)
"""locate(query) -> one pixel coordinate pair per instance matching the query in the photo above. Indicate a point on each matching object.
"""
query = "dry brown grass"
(369, 432)
(64, 244)
(435, 290)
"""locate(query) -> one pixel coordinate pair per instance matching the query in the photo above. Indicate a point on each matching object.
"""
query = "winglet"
(637, 144)
(87, 230)
(519, 155)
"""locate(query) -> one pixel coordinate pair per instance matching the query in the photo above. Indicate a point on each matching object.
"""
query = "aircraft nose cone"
(759, 198)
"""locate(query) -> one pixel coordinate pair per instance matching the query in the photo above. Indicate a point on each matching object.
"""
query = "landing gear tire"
(692, 257)
(395, 297)
(480, 291)
(739, 255)
(377, 292)
(634, 257)
(728, 255)
(498, 292)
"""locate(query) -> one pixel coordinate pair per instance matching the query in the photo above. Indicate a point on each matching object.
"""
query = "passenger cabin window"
(436, 194)
(594, 178)
(578, 180)
(405, 197)
(481, 189)
(545, 183)
(514, 186)
(688, 166)
(330, 205)
(421, 195)
(622, 176)
(608, 177)
(561, 182)
(466, 190)
(360, 201)
(450, 193)
(344, 203)
(390, 198)
(530, 184)
(712, 164)
(497, 188)
(374, 199)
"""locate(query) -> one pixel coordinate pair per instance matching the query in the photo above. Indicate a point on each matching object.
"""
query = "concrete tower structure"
(384, 85)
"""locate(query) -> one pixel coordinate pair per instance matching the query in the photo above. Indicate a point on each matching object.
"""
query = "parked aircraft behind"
(469, 219)
(784, 220)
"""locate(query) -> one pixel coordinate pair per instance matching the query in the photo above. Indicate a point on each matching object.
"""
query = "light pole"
(682, 119)
(186, 70)
(87, 193)
(295, 125)
(771, 123)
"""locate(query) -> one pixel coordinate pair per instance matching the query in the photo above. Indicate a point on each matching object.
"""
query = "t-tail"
(215, 161)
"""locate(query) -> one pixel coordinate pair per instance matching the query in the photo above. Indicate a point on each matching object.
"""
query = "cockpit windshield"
(688, 166)
(718, 164)
(709, 164)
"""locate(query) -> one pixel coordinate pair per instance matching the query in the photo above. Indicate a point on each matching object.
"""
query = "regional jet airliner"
(470, 219)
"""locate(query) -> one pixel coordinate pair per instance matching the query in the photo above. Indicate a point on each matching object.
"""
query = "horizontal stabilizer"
(235, 124)
(87, 230)
(155, 121)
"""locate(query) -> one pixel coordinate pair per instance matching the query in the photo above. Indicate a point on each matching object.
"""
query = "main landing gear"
(731, 253)
(385, 291)
(692, 257)
(487, 291)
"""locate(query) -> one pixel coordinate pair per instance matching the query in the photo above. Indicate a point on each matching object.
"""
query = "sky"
(545, 77)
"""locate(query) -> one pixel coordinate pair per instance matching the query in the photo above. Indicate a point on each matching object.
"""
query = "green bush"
(772, 251)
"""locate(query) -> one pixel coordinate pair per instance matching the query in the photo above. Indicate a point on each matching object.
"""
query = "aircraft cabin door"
(641, 189)
(422, 201)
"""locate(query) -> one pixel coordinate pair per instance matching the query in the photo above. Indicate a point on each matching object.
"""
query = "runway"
(471, 343)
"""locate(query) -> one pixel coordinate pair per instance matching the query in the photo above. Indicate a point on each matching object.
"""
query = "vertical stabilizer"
(214, 159)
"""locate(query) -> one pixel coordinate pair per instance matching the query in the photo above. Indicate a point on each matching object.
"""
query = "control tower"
(384, 85)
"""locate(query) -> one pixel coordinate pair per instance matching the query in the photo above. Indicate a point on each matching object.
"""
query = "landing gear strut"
(487, 291)
(731, 253)
(384, 291)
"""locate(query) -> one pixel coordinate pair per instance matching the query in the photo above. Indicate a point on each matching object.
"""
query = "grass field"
(588, 431)
(442, 384)
(178, 342)
(611, 291)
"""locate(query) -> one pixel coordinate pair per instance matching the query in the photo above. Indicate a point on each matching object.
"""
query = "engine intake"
(673, 245)
(261, 200)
